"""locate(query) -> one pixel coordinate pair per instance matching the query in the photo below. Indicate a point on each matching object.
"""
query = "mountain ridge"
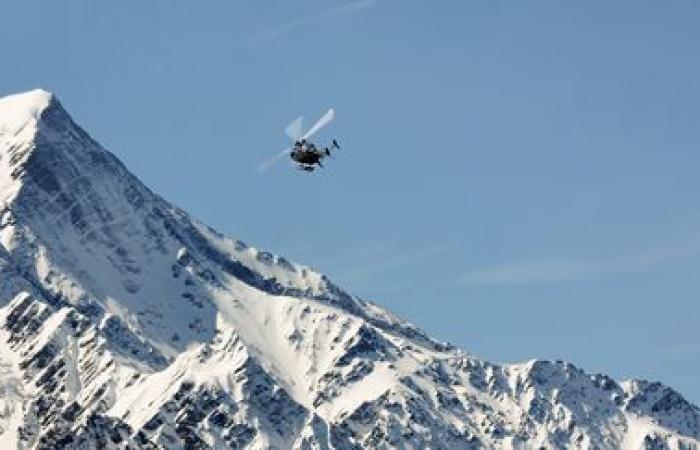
(128, 322)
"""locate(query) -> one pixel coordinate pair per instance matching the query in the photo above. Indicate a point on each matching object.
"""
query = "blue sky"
(518, 178)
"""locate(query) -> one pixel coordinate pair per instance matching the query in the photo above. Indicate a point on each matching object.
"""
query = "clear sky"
(518, 178)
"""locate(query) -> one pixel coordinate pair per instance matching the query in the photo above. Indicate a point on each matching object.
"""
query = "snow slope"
(126, 322)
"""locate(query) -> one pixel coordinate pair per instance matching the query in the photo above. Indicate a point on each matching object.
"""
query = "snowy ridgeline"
(127, 323)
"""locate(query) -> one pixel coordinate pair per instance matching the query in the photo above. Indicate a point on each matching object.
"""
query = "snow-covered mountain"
(126, 323)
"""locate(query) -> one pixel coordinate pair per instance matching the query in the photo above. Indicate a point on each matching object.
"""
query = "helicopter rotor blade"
(293, 130)
(267, 164)
(322, 122)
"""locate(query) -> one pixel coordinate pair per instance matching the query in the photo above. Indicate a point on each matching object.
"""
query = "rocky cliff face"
(124, 322)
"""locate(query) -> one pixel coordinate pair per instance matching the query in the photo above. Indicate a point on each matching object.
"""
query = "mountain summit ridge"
(17, 109)
(128, 322)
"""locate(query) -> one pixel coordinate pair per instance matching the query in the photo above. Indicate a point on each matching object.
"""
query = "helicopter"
(305, 154)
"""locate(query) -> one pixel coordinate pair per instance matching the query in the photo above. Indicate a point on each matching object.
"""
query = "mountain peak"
(17, 109)
(125, 322)
(39, 144)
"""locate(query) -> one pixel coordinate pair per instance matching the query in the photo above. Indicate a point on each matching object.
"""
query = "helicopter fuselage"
(306, 156)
